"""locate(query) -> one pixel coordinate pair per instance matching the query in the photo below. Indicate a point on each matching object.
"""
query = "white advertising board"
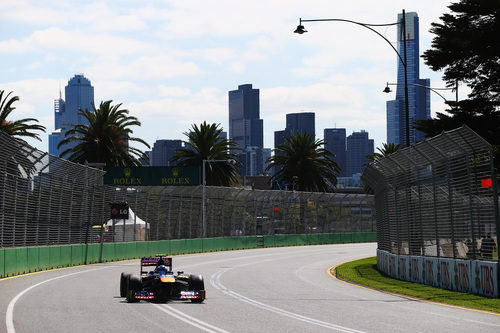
(404, 268)
(473, 276)
(485, 278)
(416, 269)
(462, 275)
(447, 274)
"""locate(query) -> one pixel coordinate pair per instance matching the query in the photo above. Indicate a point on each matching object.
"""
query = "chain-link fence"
(46, 200)
(438, 198)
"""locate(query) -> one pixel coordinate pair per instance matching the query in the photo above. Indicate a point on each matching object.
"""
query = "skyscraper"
(163, 151)
(418, 97)
(79, 93)
(335, 141)
(358, 147)
(246, 128)
(301, 122)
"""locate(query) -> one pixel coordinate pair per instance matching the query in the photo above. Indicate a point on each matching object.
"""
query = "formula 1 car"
(161, 284)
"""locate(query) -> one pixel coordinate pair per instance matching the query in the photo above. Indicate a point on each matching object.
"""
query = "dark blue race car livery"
(160, 284)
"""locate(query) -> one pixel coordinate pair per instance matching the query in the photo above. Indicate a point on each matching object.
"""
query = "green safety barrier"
(16, 261)
(2, 262)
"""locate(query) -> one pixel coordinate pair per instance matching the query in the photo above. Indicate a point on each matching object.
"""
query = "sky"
(172, 63)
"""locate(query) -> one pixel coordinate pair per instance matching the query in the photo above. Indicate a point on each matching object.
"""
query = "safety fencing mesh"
(45, 200)
(437, 198)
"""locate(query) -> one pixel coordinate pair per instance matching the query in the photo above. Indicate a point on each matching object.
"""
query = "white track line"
(9, 316)
(188, 319)
(215, 281)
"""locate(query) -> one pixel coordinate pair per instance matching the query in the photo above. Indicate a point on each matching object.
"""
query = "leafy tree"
(303, 161)
(105, 139)
(205, 143)
(467, 49)
(385, 150)
(20, 128)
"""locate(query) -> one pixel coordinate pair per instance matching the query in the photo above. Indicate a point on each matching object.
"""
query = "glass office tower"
(418, 97)
(163, 151)
(79, 93)
(359, 146)
(335, 141)
(246, 128)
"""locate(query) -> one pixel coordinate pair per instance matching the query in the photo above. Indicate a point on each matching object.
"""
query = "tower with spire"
(79, 94)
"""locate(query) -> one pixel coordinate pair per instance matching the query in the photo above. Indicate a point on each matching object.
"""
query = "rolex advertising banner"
(152, 176)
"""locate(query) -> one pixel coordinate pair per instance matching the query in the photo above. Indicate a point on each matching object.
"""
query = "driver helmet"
(162, 269)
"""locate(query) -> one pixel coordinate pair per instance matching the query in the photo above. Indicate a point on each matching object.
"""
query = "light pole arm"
(435, 90)
(367, 26)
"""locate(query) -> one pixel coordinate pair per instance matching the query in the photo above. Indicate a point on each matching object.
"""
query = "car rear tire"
(133, 285)
(196, 283)
(123, 284)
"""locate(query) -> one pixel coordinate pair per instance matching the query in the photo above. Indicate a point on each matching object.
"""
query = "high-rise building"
(301, 122)
(359, 146)
(246, 128)
(266, 153)
(335, 141)
(418, 97)
(79, 94)
(163, 151)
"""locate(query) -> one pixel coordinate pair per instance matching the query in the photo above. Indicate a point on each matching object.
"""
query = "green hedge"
(16, 261)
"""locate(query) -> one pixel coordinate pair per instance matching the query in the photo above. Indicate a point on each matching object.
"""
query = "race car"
(161, 284)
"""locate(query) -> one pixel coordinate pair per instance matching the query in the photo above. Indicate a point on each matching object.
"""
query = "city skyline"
(171, 65)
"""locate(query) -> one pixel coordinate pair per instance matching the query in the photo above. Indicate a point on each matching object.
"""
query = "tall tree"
(20, 128)
(467, 49)
(205, 143)
(106, 137)
(304, 161)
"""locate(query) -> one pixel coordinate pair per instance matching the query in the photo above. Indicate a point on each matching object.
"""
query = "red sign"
(486, 182)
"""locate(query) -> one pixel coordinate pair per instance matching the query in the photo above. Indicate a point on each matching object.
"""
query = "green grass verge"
(364, 272)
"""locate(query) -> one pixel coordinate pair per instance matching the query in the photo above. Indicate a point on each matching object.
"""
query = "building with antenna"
(79, 94)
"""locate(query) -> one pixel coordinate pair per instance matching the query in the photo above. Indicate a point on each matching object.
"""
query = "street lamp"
(435, 90)
(204, 194)
(300, 30)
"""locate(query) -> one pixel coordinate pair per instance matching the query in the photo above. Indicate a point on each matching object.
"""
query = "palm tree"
(20, 127)
(205, 143)
(305, 162)
(105, 139)
(385, 150)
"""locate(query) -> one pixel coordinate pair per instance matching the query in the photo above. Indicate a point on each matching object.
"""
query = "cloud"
(157, 67)
(314, 97)
(58, 39)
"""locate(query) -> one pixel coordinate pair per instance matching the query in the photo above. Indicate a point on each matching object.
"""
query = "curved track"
(262, 290)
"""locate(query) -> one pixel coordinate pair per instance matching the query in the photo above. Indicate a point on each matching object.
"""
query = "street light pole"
(300, 30)
(407, 106)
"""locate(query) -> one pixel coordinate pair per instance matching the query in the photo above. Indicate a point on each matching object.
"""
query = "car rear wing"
(155, 261)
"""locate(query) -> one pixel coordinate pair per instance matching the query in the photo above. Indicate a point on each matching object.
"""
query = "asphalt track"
(262, 290)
